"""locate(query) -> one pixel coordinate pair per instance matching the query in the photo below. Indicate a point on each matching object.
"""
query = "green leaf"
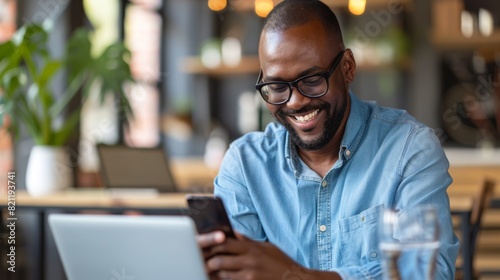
(6, 50)
(79, 43)
(12, 81)
(28, 117)
(10, 57)
(48, 72)
(33, 36)
(60, 104)
(27, 70)
(113, 71)
(62, 136)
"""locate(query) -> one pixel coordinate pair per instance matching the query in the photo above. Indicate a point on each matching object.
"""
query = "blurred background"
(195, 65)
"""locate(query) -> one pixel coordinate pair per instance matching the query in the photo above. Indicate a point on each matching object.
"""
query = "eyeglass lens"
(309, 86)
(313, 86)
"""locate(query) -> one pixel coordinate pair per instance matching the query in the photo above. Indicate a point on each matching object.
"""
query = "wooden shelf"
(403, 64)
(251, 65)
(447, 42)
(248, 65)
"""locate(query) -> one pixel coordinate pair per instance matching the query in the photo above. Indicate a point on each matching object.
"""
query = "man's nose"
(297, 100)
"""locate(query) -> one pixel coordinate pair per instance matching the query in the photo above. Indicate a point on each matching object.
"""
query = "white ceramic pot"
(49, 170)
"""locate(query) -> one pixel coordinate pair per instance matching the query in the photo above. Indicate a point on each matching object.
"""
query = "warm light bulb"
(357, 7)
(467, 24)
(217, 5)
(486, 22)
(231, 51)
(263, 7)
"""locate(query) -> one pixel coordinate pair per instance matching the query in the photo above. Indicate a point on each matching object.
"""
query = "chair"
(484, 195)
(482, 200)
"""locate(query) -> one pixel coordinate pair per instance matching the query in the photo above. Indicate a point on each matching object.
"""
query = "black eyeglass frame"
(294, 83)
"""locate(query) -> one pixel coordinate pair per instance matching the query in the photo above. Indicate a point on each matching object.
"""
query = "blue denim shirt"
(386, 159)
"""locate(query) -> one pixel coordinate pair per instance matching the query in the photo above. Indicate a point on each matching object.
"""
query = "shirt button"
(322, 228)
(347, 153)
(324, 183)
(373, 255)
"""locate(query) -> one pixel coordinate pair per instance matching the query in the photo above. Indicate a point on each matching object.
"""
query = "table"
(173, 204)
(98, 199)
(471, 188)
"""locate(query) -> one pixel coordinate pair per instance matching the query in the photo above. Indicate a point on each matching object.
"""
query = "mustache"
(308, 108)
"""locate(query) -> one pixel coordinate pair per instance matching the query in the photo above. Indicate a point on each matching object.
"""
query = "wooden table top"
(100, 198)
(104, 198)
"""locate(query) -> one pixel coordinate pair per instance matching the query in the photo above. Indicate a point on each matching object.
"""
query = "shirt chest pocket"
(358, 237)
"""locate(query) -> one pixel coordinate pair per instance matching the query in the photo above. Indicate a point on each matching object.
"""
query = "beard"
(331, 125)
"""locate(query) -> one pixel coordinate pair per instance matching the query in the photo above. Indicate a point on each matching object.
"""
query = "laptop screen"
(127, 247)
(124, 167)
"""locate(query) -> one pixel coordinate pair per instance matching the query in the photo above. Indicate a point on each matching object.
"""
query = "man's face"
(296, 52)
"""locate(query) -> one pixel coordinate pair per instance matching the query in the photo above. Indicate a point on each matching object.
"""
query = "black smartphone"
(209, 214)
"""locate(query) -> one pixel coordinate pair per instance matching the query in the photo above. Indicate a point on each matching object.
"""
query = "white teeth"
(307, 117)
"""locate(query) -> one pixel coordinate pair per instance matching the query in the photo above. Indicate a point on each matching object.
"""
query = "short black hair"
(289, 13)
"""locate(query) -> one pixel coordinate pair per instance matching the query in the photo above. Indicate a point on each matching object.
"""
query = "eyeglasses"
(312, 86)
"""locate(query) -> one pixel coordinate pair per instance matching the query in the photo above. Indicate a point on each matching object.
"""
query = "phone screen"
(209, 214)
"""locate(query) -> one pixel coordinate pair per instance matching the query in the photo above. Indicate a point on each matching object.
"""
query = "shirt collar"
(355, 128)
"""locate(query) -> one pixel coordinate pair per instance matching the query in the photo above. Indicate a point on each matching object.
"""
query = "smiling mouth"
(307, 117)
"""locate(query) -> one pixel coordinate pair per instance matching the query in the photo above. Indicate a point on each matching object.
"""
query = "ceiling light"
(357, 7)
(263, 7)
(217, 5)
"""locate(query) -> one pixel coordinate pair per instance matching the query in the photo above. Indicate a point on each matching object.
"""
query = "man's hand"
(207, 240)
(242, 258)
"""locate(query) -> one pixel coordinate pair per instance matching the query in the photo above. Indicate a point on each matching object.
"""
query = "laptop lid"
(123, 167)
(127, 247)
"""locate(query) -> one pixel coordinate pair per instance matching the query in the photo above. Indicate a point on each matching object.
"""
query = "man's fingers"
(240, 236)
(225, 274)
(210, 239)
(233, 247)
(224, 262)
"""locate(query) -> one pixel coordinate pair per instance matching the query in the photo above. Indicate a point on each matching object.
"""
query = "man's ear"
(349, 66)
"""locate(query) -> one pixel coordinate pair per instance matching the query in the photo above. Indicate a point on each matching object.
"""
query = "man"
(306, 193)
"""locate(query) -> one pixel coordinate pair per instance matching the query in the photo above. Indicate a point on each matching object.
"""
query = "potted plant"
(27, 71)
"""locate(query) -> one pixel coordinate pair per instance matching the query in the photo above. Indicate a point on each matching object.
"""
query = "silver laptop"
(130, 168)
(115, 247)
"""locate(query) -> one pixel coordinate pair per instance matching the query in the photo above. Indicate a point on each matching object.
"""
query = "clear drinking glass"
(409, 241)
